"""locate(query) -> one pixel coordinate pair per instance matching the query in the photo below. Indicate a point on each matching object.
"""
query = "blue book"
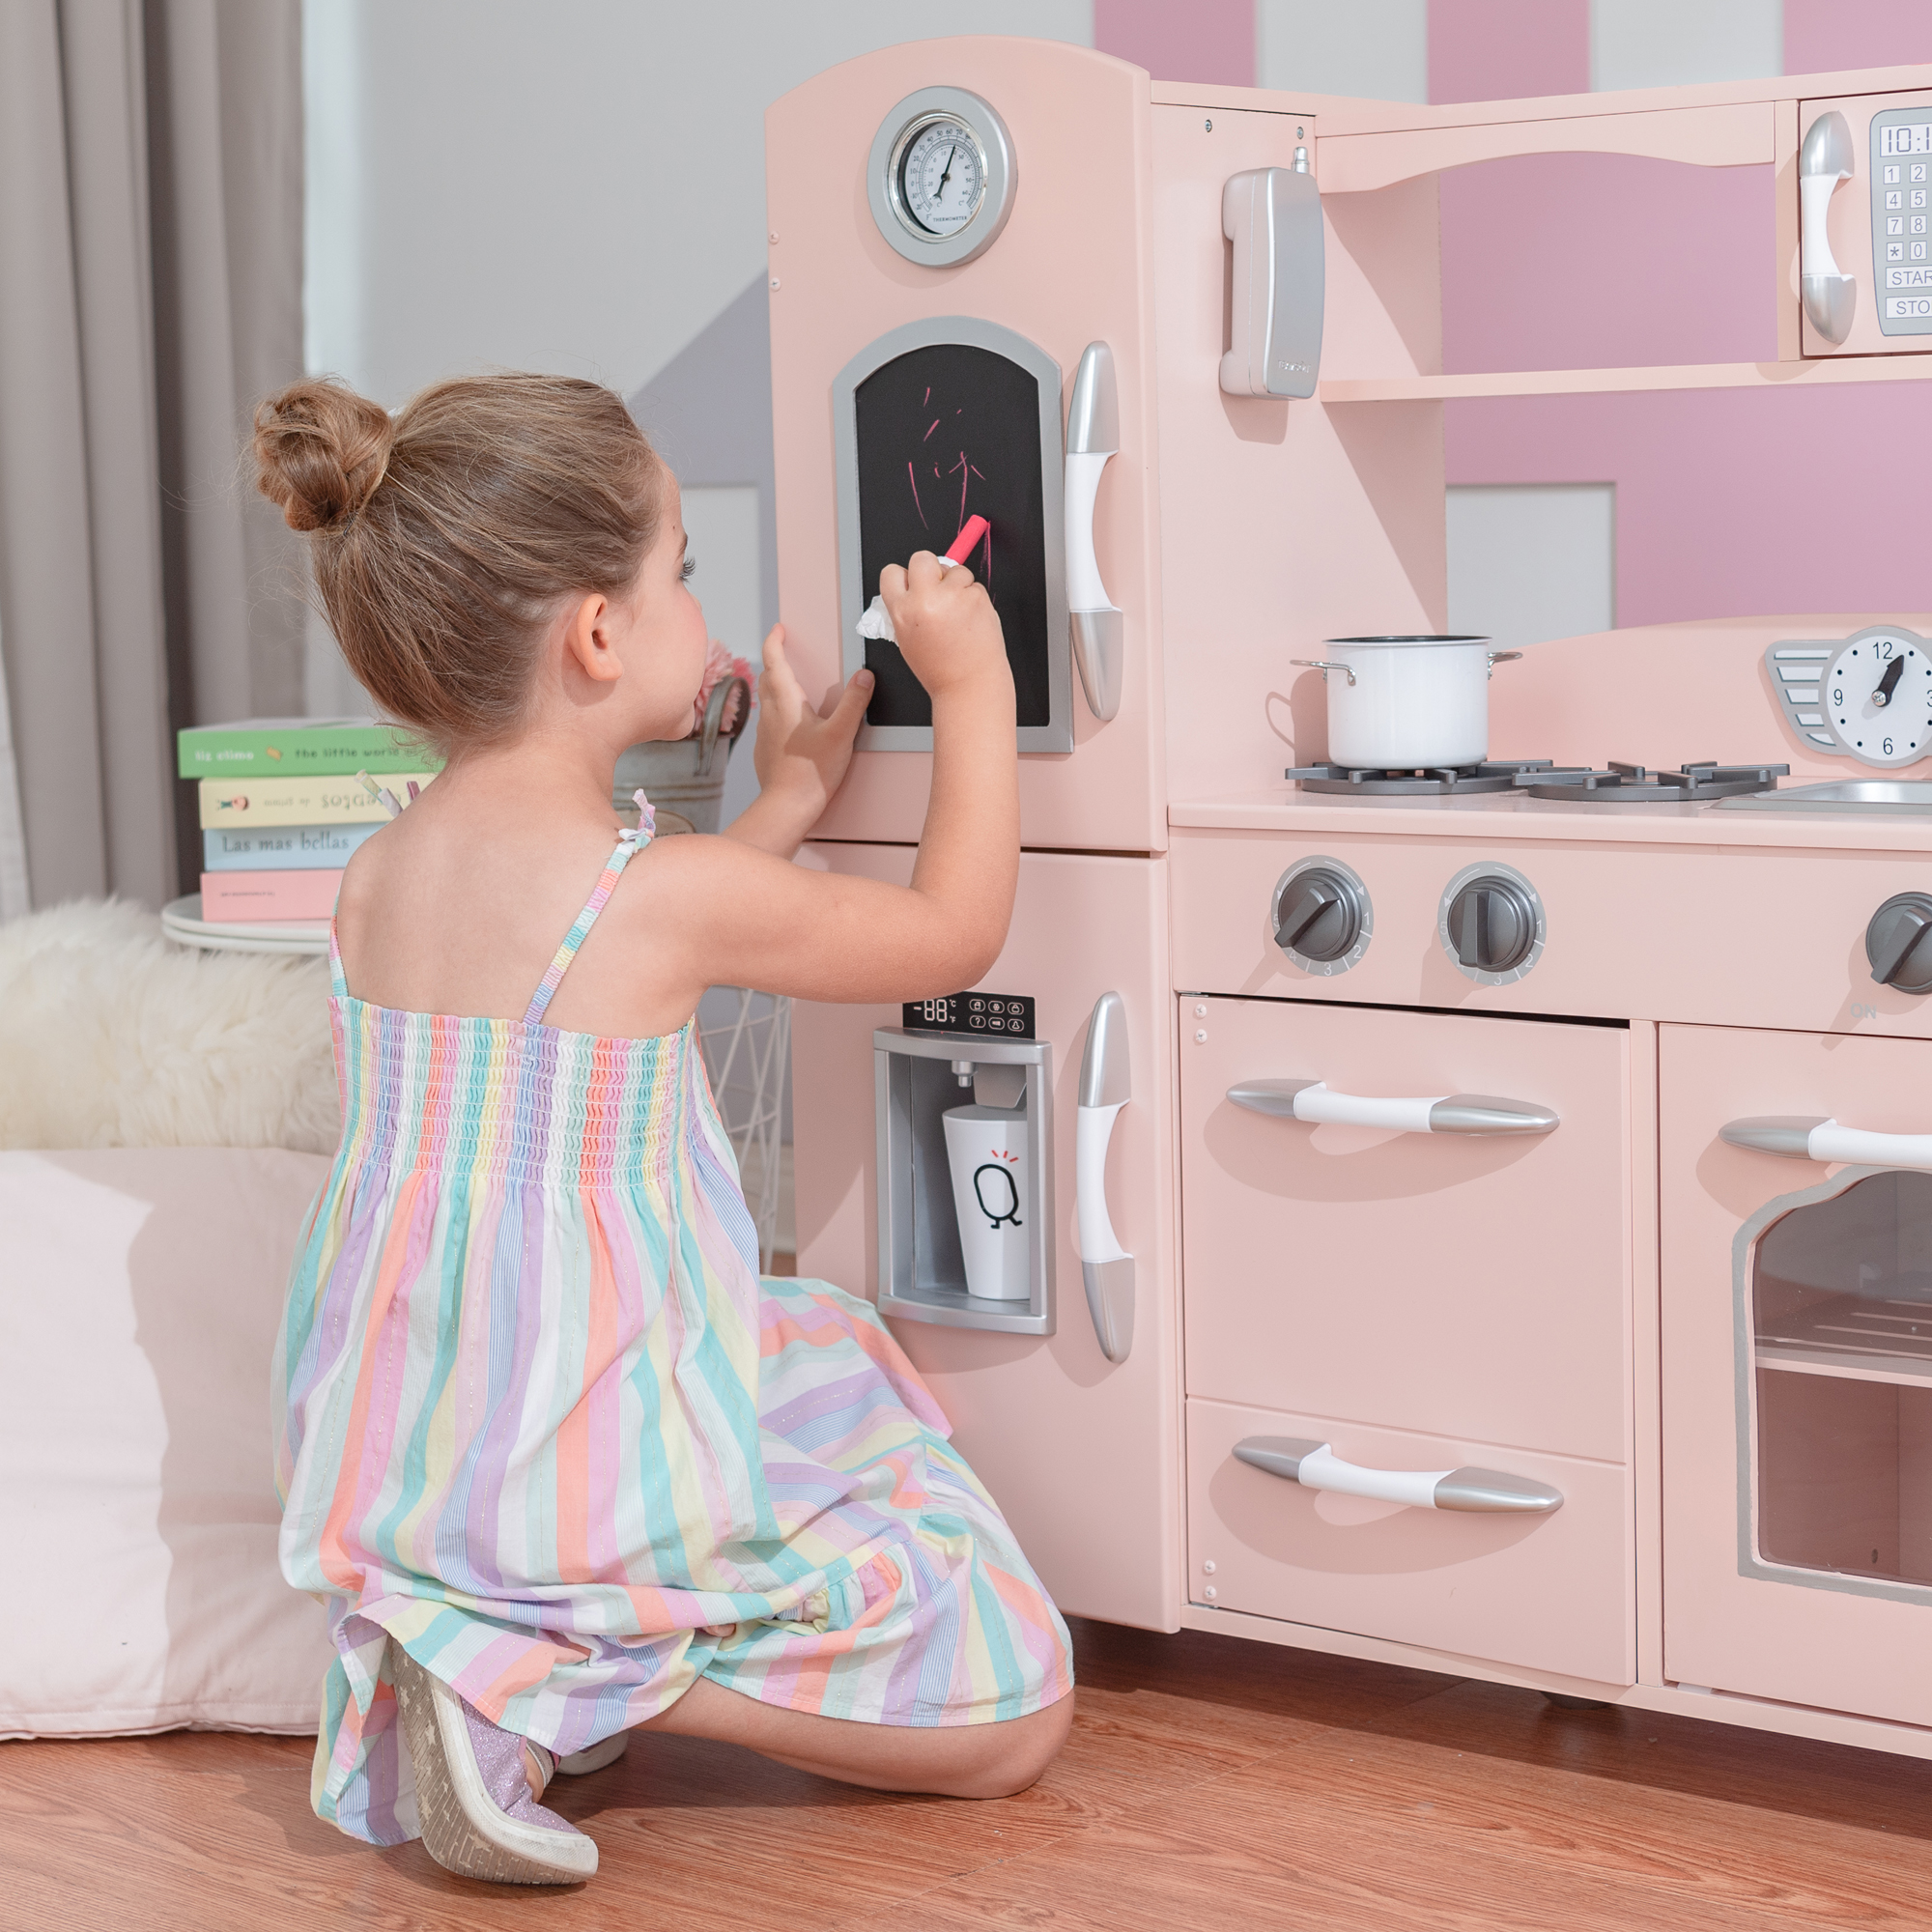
(282, 848)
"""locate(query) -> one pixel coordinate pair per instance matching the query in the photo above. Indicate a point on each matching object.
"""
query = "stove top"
(1568, 785)
(1441, 781)
(1633, 784)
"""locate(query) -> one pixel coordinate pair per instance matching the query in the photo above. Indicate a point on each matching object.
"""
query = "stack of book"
(283, 807)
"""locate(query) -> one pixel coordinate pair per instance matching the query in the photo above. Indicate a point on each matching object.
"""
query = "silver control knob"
(1492, 924)
(1318, 914)
(1898, 945)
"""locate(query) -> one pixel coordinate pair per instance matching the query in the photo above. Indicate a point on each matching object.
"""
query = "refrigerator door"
(1797, 1332)
(1081, 1452)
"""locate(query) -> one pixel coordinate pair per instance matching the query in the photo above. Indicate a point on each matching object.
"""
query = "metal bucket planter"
(686, 776)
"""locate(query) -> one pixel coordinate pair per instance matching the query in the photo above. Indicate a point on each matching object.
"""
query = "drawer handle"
(1442, 1114)
(1316, 1466)
(1806, 1137)
(1093, 442)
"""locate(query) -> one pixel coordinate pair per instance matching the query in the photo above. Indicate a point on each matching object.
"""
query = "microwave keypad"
(1901, 211)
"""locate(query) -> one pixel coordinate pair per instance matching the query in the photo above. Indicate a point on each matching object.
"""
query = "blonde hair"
(445, 538)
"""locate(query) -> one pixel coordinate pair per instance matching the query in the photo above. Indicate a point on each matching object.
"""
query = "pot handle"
(1502, 658)
(1324, 667)
(714, 718)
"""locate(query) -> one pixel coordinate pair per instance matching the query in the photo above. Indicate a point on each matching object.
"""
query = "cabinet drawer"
(1545, 1592)
(1473, 1286)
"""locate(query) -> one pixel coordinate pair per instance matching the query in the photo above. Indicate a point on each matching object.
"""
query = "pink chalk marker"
(961, 546)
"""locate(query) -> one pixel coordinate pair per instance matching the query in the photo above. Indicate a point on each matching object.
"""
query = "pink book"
(250, 896)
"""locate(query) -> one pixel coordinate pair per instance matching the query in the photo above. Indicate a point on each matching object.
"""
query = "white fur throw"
(113, 1036)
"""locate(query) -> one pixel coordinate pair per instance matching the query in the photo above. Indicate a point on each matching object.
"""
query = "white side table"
(183, 923)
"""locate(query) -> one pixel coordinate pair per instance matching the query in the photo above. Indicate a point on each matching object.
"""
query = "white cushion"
(140, 1291)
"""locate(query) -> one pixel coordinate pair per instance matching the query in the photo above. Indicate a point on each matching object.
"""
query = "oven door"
(1382, 1272)
(1796, 1330)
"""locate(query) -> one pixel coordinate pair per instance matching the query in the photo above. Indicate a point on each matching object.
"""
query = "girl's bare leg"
(957, 1761)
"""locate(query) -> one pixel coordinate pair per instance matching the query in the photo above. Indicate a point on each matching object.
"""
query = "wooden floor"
(1209, 1783)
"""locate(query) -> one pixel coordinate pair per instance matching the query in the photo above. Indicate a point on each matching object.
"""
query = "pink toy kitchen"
(1442, 1172)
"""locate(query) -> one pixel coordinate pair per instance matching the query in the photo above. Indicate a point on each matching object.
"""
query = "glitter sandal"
(472, 1796)
(580, 1764)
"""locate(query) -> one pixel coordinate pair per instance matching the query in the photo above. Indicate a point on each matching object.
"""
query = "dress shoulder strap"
(630, 843)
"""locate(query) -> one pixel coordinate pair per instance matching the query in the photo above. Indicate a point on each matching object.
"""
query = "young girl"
(560, 1462)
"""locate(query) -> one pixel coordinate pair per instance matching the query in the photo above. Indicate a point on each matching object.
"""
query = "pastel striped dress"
(540, 1421)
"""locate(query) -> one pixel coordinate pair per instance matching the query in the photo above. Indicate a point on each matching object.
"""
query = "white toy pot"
(1407, 704)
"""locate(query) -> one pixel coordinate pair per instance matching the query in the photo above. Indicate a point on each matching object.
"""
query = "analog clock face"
(942, 177)
(1877, 699)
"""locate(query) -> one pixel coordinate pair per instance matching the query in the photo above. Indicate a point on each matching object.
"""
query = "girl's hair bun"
(321, 450)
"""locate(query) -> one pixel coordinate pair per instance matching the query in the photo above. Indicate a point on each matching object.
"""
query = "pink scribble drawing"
(929, 395)
(916, 503)
(927, 437)
(963, 467)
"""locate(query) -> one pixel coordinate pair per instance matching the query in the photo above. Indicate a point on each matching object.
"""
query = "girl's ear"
(590, 639)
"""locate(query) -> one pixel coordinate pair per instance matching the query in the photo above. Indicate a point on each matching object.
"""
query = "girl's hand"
(800, 756)
(947, 628)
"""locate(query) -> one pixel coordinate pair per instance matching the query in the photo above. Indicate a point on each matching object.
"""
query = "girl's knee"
(1009, 1757)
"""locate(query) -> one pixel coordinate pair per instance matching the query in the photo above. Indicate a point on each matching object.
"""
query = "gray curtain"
(150, 292)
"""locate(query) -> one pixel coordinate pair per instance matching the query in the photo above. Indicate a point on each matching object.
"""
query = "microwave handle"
(1315, 1465)
(1273, 217)
(1093, 442)
(1807, 1137)
(1824, 160)
(1105, 1264)
(1315, 1102)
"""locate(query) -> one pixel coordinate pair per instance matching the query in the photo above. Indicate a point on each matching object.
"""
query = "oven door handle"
(1105, 1265)
(1807, 1137)
(1314, 1101)
(1315, 1465)
(1093, 442)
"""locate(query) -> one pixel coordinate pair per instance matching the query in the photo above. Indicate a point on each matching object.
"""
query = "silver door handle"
(1315, 1465)
(1810, 1137)
(1273, 217)
(1314, 1101)
(1107, 1268)
(1093, 442)
(1824, 160)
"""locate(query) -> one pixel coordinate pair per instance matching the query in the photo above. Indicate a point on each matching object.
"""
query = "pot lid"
(1407, 640)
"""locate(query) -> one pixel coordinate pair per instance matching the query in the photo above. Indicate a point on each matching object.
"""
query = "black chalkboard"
(946, 432)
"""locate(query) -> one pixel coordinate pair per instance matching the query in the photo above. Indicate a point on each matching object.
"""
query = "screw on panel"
(773, 235)
(1211, 1593)
(1200, 1034)
(775, 281)
(1208, 1566)
(1208, 126)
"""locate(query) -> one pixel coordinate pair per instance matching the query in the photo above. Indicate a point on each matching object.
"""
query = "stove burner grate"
(1633, 784)
(1440, 782)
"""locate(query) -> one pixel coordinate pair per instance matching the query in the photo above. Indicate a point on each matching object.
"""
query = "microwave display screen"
(1910, 137)
(944, 433)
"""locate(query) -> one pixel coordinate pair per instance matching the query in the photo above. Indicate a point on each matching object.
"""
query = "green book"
(262, 747)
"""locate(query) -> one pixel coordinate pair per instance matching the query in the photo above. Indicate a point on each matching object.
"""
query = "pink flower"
(718, 664)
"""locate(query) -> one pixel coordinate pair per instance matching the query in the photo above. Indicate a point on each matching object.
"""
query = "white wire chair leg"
(746, 1058)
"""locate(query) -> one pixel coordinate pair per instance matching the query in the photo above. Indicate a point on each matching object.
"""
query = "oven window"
(1841, 1310)
(946, 432)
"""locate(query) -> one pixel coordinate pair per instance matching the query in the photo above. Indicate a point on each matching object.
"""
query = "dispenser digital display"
(945, 433)
(1009, 1015)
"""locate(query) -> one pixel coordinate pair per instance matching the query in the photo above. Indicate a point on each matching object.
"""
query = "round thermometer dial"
(1878, 698)
(941, 177)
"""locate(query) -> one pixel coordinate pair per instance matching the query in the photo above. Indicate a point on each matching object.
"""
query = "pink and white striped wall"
(1728, 502)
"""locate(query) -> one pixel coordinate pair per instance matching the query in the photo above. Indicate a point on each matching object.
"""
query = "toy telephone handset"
(1825, 159)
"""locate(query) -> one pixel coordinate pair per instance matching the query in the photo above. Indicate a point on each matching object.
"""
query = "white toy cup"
(986, 1148)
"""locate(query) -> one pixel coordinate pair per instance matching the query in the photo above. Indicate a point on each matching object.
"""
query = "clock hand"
(1888, 683)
